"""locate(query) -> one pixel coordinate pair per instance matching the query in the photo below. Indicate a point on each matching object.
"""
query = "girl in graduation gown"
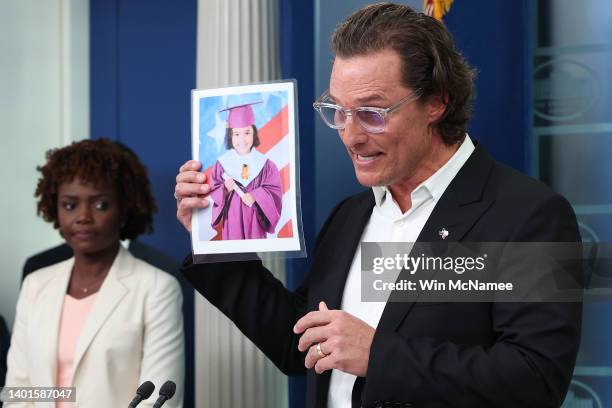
(246, 187)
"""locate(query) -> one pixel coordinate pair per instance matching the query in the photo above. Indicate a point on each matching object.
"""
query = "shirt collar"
(437, 183)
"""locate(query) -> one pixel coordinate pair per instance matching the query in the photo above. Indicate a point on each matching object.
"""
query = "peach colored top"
(74, 315)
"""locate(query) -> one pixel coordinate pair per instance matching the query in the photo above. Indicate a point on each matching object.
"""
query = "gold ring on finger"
(319, 351)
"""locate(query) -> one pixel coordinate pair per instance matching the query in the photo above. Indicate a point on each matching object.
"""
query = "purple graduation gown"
(239, 220)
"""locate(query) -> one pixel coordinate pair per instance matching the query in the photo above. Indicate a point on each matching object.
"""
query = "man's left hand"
(344, 341)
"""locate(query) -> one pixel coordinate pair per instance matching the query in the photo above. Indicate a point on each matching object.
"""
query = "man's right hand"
(191, 190)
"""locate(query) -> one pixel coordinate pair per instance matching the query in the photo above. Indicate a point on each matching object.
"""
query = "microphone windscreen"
(146, 389)
(168, 389)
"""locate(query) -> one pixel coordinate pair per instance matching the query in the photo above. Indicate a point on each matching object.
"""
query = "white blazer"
(133, 333)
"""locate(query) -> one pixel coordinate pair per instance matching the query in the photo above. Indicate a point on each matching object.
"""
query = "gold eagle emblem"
(436, 8)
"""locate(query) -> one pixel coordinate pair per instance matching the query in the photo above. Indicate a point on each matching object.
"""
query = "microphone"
(142, 393)
(166, 392)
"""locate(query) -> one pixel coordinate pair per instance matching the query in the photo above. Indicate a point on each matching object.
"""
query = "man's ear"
(437, 106)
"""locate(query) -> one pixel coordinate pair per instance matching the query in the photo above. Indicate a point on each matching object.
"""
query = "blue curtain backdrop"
(296, 27)
(143, 61)
(495, 38)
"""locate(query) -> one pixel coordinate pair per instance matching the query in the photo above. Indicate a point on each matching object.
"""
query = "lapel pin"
(443, 233)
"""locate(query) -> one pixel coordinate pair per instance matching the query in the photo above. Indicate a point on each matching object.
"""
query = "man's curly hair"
(430, 60)
(99, 162)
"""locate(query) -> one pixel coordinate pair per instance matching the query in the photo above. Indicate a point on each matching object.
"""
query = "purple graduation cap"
(240, 115)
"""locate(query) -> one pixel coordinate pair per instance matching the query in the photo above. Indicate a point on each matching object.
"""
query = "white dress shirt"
(387, 223)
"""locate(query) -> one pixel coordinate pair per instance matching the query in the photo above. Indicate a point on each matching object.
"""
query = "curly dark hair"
(228, 138)
(430, 60)
(99, 162)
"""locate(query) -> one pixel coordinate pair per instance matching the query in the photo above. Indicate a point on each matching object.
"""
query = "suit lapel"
(461, 205)
(50, 321)
(108, 297)
(338, 262)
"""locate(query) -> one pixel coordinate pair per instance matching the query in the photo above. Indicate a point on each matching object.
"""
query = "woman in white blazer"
(103, 321)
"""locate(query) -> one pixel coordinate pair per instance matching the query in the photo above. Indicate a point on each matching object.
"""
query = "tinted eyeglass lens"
(339, 118)
(371, 120)
(333, 117)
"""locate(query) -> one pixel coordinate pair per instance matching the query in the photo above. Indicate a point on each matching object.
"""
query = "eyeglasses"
(370, 119)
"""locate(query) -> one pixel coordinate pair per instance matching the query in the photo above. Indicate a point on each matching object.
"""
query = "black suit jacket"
(425, 355)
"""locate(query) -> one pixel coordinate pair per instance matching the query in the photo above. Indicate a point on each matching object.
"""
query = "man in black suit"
(400, 98)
